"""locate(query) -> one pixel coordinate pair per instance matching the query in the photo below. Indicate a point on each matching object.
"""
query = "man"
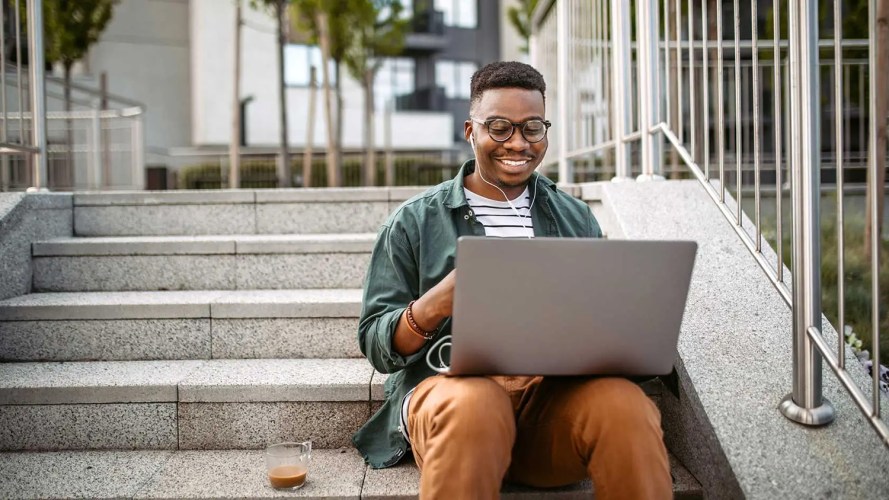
(468, 434)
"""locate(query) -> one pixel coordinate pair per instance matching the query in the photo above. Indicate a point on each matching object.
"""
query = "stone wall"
(25, 218)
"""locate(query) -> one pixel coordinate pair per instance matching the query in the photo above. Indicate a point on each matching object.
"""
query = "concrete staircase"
(174, 335)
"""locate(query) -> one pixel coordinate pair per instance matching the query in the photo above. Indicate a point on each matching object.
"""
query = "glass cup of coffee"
(287, 464)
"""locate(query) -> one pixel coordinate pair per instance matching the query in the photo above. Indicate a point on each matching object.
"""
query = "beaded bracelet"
(414, 327)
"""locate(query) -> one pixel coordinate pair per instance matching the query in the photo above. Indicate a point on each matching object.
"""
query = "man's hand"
(429, 311)
(436, 304)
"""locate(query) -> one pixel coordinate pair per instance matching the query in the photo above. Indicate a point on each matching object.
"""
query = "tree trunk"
(69, 139)
(370, 153)
(877, 166)
(310, 129)
(285, 177)
(339, 124)
(234, 148)
(324, 41)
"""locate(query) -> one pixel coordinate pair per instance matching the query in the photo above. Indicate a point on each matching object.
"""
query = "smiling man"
(468, 434)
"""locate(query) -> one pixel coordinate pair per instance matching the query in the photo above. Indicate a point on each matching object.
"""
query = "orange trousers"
(468, 434)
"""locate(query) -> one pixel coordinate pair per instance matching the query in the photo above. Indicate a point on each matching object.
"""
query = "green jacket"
(414, 250)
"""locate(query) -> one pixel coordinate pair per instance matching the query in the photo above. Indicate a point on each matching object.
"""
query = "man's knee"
(466, 397)
(620, 403)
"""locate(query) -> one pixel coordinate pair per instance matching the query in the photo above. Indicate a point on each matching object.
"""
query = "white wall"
(510, 40)
(212, 29)
(145, 52)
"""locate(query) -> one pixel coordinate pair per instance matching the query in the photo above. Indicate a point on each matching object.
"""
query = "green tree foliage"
(520, 19)
(72, 26)
(378, 31)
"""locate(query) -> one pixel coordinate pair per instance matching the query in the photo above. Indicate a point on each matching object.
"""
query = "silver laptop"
(568, 306)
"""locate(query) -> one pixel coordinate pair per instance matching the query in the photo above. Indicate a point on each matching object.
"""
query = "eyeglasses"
(501, 129)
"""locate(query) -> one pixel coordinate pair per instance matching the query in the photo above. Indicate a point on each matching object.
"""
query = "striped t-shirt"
(499, 219)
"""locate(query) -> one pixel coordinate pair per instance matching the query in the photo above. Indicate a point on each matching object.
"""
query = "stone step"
(268, 211)
(228, 262)
(206, 324)
(237, 474)
(187, 404)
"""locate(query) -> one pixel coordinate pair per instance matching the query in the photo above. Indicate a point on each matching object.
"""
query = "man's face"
(507, 164)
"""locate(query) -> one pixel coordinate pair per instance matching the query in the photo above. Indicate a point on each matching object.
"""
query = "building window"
(454, 77)
(298, 61)
(459, 13)
(394, 78)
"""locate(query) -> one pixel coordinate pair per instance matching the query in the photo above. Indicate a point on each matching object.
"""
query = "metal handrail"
(658, 59)
(35, 146)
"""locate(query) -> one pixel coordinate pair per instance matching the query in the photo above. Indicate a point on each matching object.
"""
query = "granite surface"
(305, 243)
(176, 272)
(322, 195)
(77, 474)
(191, 219)
(104, 340)
(296, 303)
(237, 474)
(8, 202)
(109, 305)
(206, 244)
(173, 197)
(277, 380)
(213, 426)
(15, 255)
(334, 270)
(143, 426)
(314, 217)
(199, 272)
(50, 201)
(24, 219)
(92, 382)
(285, 338)
(136, 245)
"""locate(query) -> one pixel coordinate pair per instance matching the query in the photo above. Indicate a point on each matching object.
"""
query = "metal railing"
(78, 138)
(28, 142)
(737, 95)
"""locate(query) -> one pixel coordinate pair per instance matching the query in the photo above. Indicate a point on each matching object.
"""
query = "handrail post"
(805, 404)
(36, 70)
(620, 77)
(566, 173)
(649, 88)
(95, 160)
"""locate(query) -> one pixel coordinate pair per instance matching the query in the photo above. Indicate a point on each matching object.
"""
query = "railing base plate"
(820, 415)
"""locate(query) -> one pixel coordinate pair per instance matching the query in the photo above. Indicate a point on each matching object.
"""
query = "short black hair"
(505, 74)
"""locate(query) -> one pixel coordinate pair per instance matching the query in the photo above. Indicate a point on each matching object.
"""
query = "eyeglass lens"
(502, 130)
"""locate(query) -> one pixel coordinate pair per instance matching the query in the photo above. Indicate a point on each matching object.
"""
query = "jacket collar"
(455, 196)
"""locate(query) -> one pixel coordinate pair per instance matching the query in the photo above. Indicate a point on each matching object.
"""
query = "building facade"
(177, 58)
